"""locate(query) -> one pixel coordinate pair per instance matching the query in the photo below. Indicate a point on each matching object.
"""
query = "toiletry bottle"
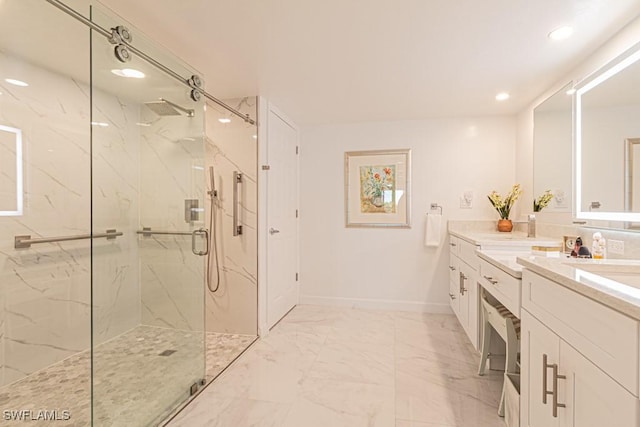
(599, 246)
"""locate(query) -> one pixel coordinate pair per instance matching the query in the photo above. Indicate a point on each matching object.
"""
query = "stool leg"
(512, 348)
(486, 341)
(501, 407)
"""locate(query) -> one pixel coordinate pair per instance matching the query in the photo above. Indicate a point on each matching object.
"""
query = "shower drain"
(167, 353)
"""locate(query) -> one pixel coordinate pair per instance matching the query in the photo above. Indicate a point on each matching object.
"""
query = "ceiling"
(336, 61)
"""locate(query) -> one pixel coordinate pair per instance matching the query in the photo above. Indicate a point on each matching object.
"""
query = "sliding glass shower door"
(148, 183)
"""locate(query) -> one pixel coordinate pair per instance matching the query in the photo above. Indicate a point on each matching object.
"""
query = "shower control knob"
(273, 231)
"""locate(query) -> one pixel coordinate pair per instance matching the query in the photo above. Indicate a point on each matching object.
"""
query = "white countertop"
(614, 283)
(514, 239)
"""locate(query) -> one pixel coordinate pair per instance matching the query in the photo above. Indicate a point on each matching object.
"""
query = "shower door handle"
(237, 180)
(205, 233)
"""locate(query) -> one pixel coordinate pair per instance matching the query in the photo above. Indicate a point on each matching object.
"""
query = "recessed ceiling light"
(16, 82)
(561, 33)
(128, 72)
(571, 91)
(101, 124)
(255, 136)
(224, 120)
(502, 96)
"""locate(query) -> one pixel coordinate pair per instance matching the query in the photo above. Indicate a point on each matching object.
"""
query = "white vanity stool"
(496, 317)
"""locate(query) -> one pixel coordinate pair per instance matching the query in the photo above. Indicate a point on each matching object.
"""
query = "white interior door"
(282, 221)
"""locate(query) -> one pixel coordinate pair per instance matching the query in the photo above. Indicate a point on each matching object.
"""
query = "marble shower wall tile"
(233, 147)
(45, 300)
(115, 176)
(171, 171)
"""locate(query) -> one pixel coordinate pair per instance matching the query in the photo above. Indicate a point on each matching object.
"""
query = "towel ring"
(435, 206)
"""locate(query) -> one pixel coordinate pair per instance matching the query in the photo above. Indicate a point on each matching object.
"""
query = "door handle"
(273, 231)
(204, 232)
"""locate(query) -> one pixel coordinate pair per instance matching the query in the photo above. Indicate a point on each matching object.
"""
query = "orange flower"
(377, 176)
(387, 171)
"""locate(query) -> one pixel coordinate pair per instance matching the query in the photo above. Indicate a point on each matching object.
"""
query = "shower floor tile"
(137, 376)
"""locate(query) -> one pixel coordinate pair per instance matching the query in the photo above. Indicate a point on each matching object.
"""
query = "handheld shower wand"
(213, 193)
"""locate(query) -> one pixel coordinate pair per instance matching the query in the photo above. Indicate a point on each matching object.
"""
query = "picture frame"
(378, 188)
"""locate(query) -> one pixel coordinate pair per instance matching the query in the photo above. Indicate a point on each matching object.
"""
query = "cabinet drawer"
(454, 264)
(454, 245)
(504, 287)
(604, 336)
(468, 253)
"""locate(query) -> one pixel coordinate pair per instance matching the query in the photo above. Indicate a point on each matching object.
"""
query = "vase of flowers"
(504, 205)
(375, 182)
(542, 201)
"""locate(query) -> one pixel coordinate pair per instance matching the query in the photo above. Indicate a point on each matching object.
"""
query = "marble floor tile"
(331, 366)
(232, 412)
(355, 362)
(340, 403)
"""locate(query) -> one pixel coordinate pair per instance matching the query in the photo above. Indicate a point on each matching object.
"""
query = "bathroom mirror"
(552, 163)
(606, 131)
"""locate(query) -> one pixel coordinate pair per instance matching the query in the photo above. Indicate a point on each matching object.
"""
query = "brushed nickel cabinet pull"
(490, 279)
(461, 282)
(556, 376)
(545, 366)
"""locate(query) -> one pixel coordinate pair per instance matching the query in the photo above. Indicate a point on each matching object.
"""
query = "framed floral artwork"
(378, 188)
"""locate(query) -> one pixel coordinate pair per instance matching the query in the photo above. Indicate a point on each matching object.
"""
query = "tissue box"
(546, 251)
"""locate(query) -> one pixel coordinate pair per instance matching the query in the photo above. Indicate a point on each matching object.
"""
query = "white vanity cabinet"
(579, 360)
(463, 288)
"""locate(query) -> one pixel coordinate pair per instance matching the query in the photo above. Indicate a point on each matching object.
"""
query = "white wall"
(392, 268)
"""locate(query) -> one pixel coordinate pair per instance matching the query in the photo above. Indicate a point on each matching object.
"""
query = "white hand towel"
(432, 230)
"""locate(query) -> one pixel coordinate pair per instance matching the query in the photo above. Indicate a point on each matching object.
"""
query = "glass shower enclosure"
(102, 225)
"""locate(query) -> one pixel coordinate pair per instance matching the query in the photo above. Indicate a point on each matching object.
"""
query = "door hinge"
(296, 213)
(297, 149)
(266, 167)
(296, 277)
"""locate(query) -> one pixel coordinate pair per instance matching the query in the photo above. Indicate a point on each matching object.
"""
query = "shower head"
(164, 107)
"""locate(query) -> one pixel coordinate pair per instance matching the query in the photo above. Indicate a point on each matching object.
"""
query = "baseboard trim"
(376, 304)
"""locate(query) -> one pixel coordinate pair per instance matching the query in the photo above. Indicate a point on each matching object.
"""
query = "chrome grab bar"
(25, 241)
(237, 179)
(147, 232)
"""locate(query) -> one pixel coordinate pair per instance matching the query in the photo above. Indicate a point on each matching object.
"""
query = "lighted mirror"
(10, 171)
(552, 147)
(606, 125)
